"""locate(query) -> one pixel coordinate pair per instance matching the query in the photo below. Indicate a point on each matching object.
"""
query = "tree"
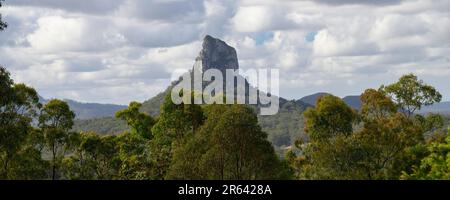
(331, 117)
(412, 94)
(377, 149)
(95, 157)
(376, 105)
(176, 123)
(135, 158)
(3, 24)
(328, 125)
(6, 90)
(229, 145)
(186, 163)
(386, 138)
(55, 121)
(436, 165)
(141, 124)
(380, 149)
(18, 104)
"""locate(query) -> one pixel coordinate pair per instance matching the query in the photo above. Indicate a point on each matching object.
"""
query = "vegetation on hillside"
(386, 139)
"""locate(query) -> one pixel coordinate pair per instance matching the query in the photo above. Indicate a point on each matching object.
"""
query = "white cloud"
(117, 52)
(252, 19)
(61, 34)
(338, 44)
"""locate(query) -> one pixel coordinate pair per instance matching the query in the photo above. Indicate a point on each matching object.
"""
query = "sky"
(99, 51)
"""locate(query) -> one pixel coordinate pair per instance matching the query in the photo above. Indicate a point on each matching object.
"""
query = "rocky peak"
(216, 54)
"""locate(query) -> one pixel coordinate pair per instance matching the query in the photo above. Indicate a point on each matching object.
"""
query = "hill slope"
(90, 110)
(353, 101)
(283, 128)
(312, 99)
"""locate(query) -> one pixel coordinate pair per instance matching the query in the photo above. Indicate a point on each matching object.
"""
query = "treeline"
(385, 139)
(185, 142)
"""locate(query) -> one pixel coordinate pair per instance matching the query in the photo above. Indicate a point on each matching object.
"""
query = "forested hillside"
(327, 138)
(385, 139)
(90, 110)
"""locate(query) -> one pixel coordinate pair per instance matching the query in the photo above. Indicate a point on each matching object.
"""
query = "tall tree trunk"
(53, 163)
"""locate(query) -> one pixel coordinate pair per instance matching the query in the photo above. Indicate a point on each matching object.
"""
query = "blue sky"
(98, 51)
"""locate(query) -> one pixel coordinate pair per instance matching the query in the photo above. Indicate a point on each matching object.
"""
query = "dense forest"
(385, 139)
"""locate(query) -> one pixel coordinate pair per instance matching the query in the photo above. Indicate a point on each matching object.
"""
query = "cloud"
(59, 34)
(117, 52)
(338, 44)
(90, 7)
(158, 34)
(257, 18)
(187, 11)
(360, 2)
(252, 19)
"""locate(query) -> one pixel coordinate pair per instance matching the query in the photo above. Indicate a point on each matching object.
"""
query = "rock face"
(216, 54)
(283, 128)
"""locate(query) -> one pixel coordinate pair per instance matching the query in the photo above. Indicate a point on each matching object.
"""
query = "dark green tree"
(176, 123)
(135, 158)
(3, 24)
(55, 121)
(94, 157)
(18, 105)
(379, 142)
(331, 117)
(229, 145)
(141, 124)
(436, 165)
(411, 94)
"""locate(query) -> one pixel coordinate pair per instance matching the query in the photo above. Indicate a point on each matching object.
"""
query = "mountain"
(90, 110)
(283, 128)
(312, 99)
(353, 101)
(442, 108)
(93, 110)
(216, 54)
(102, 126)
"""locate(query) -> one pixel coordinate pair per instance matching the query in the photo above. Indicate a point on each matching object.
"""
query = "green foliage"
(226, 141)
(330, 117)
(436, 165)
(124, 157)
(94, 157)
(153, 105)
(411, 94)
(175, 124)
(102, 126)
(3, 24)
(135, 158)
(55, 121)
(230, 145)
(140, 123)
(385, 144)
(285, 127)
(18, 104)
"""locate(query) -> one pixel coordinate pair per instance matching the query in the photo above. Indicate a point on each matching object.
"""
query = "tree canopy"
(3, 24)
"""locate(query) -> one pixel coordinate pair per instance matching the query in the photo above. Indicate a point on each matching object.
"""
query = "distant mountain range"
(283, 128)
(442, 108)
(353, 101)
(90, 110)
